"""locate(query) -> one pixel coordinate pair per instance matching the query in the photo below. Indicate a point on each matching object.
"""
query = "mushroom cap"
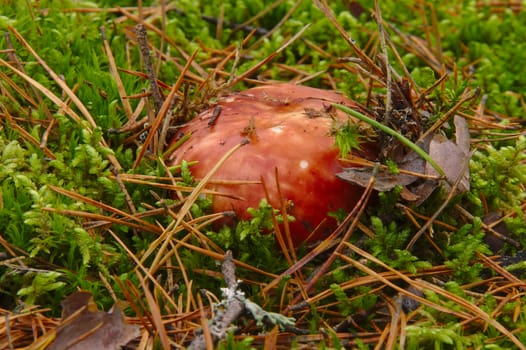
(289, 129)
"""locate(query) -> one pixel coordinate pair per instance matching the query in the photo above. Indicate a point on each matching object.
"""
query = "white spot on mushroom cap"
(277, 129)
(304, 164)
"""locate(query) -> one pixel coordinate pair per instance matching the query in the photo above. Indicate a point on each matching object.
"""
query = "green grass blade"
(393, 133)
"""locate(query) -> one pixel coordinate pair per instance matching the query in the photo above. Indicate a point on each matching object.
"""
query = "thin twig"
(142, 40)
(235, 307)
(488, 228)
(387, 66)
(129, 200)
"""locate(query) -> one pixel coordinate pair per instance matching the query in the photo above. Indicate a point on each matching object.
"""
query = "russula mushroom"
(289, 128)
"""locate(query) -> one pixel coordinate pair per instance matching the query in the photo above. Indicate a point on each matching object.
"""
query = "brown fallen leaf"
(385, 180)
(83, 327)
(451, 156)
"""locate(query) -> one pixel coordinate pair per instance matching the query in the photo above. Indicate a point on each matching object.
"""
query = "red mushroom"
(289, 128)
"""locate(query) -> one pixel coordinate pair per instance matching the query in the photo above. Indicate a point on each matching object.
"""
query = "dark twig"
(229, 271)
(488, 228)
(129, 200)
(142, 40)
(233, 306)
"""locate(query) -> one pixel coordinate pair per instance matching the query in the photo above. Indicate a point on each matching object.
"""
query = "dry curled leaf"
(386, 180)
(83, 327)
(451, 156)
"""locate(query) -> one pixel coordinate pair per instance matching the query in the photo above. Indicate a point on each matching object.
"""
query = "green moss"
(499, 174)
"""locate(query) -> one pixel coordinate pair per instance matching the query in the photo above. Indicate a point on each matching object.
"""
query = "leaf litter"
(452, 157)
(83, 327)
(82, 323)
